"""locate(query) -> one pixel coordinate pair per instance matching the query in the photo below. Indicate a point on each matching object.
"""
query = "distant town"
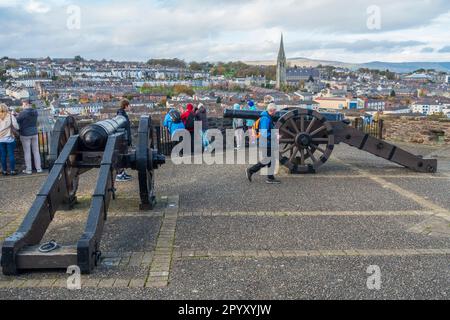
(88, 88)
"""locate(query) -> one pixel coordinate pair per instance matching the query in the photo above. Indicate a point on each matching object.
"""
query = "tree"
(3, 75)
(78, 59)
(195, 66)
(178, 89)
(170, 63)
(392, 95)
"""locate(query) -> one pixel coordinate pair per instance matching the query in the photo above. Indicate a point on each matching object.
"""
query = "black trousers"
(257, 167)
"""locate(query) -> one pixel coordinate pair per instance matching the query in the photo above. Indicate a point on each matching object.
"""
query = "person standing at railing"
(8, 124)
(122, 175)
(27, 120)
(188, 118)
(202, 116)
(250, 123)
(173, 122)
(238, 126)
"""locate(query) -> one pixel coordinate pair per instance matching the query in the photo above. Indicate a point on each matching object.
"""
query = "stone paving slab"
(302, 233)
(432, 190)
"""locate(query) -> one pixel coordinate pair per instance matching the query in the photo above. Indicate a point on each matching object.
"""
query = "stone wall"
(417, 130)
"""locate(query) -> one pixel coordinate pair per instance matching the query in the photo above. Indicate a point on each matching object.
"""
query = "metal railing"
(374, 129)
(44, 147)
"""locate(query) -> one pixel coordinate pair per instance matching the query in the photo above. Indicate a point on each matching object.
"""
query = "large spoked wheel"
(306, 140)
(65, 127)
(145, 165)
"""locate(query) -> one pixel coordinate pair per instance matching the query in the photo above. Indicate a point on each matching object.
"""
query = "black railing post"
(380, 129)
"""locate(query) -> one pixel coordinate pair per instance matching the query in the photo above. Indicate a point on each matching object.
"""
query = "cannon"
(307, 140)
(102, 145)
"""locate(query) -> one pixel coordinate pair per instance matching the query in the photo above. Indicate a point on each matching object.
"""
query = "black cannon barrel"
(95, 136)
(249, 114)
(254, 115)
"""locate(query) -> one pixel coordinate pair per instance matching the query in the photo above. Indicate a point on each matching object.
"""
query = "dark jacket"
(27, 120)
(122, 112)
(202, 116)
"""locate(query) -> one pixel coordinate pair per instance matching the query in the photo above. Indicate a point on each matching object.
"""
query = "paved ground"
(216, 236)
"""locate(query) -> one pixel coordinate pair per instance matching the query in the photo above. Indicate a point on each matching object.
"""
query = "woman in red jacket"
(188, 118)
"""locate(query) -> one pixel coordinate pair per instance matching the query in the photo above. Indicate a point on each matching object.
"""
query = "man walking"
(265, 129)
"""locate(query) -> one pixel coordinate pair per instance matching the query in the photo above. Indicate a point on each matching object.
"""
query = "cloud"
(427, 50)
(224, 30)
(445, 49)
(34, 6)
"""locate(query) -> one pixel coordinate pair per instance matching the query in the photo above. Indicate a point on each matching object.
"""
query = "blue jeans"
(8, 148)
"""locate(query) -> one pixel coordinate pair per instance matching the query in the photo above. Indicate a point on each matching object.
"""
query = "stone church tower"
(281, 66)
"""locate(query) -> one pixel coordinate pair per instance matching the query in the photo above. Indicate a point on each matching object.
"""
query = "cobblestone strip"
(199, 254)
(162, 259)
(307, 214)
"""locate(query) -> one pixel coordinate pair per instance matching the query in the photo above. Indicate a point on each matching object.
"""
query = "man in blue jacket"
(265, 129)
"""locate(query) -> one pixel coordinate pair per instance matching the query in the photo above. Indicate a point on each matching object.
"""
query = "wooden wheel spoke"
(318, 130)
(287, 148)
(320, 140)
(294, 153)
(311, 155)
(286, 140)
(311, 125)
(285, 130)
(317, 148)
(294, 125)
(302, 155)
(302, 124)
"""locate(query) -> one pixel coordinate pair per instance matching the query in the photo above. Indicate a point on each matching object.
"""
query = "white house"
(29, 83)
(429, 107)
(17, 93)
(376, 104)
(446, 111)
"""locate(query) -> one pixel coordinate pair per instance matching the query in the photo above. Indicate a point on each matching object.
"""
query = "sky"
(353, 31)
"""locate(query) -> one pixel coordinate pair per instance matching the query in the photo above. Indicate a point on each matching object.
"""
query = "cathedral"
(292, 76)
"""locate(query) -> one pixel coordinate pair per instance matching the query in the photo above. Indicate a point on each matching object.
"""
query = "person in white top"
(8, 124)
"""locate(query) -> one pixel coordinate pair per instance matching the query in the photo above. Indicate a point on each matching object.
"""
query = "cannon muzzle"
(95, 136)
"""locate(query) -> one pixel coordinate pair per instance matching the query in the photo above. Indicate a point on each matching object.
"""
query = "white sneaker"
(40, 171)
(27, 172)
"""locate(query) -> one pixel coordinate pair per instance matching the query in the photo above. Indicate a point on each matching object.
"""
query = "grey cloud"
(427, 50)
(204, 29)
(356, 46)
(445, 49)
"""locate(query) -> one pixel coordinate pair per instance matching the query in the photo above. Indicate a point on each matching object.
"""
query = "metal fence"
(163, 140)
(44, 148)
(374, 129)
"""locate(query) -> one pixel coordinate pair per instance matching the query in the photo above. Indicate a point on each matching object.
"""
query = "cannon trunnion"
(307, 140)
(103, 145)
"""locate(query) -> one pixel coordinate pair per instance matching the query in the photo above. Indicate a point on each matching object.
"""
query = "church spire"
(281, 53)
(281, 66)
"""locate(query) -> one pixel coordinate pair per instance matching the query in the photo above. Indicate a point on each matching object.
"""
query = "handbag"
(14, 131)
